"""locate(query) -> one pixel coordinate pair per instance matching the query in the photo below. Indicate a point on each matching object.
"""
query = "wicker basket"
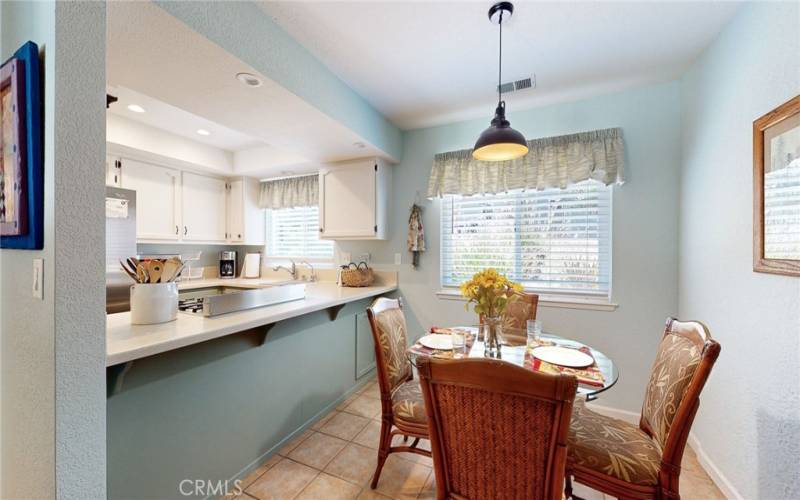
(357, 275)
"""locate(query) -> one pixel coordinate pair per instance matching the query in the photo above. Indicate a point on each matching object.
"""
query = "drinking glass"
(459, 341)
(534, 332)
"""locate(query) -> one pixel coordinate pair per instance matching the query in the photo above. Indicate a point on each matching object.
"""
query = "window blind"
(555, 240)
(294, 232)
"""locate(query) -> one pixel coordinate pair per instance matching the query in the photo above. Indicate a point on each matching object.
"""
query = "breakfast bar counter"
(126, 342)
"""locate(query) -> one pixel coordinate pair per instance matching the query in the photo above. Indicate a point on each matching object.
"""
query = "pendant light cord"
(500, 62)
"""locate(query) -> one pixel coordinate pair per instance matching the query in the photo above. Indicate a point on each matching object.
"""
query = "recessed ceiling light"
(359, 145)
(203, 131)
(249, 79)
(135, 108)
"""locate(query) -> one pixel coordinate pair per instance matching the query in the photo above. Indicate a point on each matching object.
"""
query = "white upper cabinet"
(246, 221)
(354, 200)
(113, 171)
(204, 204)
(156, 199)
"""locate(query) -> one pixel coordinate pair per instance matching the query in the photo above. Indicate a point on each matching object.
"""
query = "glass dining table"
(592, 380)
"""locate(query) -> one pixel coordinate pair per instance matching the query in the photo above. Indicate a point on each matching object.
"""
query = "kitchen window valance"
(290, 192)
(551, 162)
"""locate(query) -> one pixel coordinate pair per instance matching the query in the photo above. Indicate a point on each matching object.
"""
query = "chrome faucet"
(291, 270)
(313, 277)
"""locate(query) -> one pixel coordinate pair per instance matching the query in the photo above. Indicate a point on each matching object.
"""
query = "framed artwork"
(21, 170)
(776, 190)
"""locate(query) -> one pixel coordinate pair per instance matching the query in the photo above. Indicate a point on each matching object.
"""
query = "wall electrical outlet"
(38, 279)
(397, 259)
(346, 258)
(365, 257)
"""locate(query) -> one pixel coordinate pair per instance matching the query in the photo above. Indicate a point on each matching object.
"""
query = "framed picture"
(22, 168)
(776, 190)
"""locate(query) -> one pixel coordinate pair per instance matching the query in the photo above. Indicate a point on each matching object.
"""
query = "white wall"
(645, 225)
(749, 418)
(53, 350)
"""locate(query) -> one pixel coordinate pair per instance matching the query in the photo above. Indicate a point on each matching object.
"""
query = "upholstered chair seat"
(408, 404)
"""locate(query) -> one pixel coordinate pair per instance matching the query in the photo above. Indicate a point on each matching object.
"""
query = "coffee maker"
(227, 264)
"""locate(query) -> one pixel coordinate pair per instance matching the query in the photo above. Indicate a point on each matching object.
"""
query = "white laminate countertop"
(127, 342)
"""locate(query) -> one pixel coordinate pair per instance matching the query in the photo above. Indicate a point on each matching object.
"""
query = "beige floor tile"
(585, 492)
(283, 481)
(347, 401)
(429, 490)
(698, 487)
(355, 463)
(261, 469)
(364, 406)
(690, 463)
(327, 487)
(345, 425)
(371, 390)
(294, 443)
(370, 436)
(368, 494)
(317, 450)
(324, 420)
(402, 478)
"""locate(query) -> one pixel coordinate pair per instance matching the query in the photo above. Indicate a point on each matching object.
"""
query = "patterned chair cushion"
(408, 404)
(613, 447)
(519, 311)
(391, 325)
(674, 368)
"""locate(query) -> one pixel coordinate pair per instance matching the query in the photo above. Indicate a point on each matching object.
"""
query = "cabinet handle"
(321, 230)
(176, 229)
(185, 230)
(239, 236)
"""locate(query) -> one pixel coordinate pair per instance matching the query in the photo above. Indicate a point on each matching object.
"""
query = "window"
(294, 232)
(551, 241)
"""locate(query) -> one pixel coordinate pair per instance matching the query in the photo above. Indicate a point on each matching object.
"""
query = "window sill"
(559, 301)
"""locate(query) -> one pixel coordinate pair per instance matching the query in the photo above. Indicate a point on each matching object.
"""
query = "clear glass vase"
(490, 332)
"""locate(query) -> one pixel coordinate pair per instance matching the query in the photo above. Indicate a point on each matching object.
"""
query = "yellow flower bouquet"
(490, 292)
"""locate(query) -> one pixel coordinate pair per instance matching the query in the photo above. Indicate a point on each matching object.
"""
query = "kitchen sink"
(222, 299)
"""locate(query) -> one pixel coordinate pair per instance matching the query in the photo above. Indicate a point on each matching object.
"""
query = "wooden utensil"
(170, 271)
(155, 268)
(129, 272)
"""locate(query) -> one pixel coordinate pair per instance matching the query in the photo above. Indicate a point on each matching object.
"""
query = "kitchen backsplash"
(209, 256)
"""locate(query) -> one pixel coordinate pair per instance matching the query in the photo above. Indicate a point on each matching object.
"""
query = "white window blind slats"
(553, 240)
(782, 213)
(294, 232)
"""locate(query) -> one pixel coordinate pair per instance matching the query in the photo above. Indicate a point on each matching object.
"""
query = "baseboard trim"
(711, 469)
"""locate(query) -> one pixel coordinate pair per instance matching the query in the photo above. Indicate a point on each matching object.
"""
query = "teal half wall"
(248, 33)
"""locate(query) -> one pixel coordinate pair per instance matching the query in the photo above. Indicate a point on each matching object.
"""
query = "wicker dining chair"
(497, 430)
(402, 405)
(644, 461)
(519, 311)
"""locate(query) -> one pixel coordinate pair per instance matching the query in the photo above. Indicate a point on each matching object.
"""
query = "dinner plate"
(437, 341)
(563, 356)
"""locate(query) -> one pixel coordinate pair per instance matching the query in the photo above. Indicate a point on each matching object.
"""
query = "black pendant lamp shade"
(500, 142)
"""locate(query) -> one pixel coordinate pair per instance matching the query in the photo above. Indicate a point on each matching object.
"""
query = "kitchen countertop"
(126, 342)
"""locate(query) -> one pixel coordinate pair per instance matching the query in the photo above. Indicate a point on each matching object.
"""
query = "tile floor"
(335, 460)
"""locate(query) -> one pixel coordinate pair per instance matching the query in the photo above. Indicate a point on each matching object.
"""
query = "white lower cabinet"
(204, 208)
(157, 205)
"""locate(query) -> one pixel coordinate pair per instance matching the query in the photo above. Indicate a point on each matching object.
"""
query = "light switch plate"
(38, 279)
(397, 259)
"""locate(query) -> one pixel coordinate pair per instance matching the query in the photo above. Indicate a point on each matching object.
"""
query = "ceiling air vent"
(525, 83)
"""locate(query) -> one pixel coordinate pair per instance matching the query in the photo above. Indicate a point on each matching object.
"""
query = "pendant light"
(500, 142)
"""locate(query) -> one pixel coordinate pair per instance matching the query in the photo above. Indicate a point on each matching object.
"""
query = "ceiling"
(155, 57)
(423, 64)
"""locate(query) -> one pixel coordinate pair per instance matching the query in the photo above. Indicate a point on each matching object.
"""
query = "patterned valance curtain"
(290, 192)
(551, 162)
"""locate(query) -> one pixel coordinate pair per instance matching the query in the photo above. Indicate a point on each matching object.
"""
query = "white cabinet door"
(156, 199)
(236, 211)
(347, 201)
(204, 208)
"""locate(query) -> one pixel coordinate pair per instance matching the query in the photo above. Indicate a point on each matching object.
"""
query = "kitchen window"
(294, 233)
(555, 241)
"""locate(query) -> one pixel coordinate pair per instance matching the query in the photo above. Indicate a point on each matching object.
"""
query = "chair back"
(683, 363)
(388, 325)
(497, 430)
(518, 312)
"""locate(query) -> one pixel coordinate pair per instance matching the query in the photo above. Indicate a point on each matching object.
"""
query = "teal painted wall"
(214, 410)
(264, 45)
(645, 225)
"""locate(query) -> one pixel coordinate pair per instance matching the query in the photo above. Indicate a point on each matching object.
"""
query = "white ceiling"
(166, 117)
(153, 54)
(423, 64)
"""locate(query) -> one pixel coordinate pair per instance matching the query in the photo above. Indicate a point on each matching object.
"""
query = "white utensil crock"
(154, 303)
